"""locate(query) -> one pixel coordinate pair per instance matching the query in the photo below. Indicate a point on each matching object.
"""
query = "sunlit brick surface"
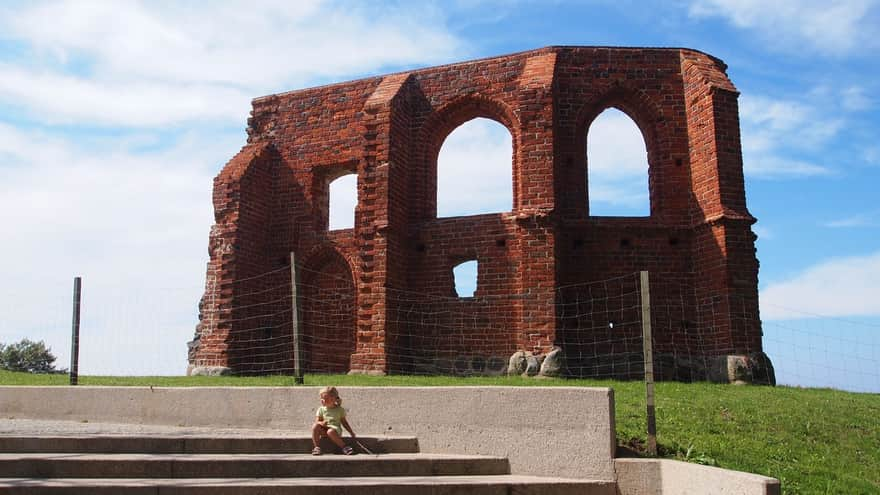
(272, 198)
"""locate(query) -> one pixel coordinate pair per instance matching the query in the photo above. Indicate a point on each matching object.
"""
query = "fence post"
(297, 325)
(649, 363)
(74, 339)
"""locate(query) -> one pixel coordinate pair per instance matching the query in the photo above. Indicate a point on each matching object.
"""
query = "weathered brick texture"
(363, 283)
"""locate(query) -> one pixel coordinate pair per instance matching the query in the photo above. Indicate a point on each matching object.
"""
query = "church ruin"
(379, 298)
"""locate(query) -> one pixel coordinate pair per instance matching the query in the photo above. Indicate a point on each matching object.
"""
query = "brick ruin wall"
(272, 199)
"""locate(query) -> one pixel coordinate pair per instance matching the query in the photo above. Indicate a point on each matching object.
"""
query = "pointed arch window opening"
(617, 167)
(475, 170)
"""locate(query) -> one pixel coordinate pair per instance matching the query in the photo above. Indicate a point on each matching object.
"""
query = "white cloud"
(133, 225)
(617, 166)
(242, 44)
(788, 120)
(840, 27)
(616, 147)
(130, 211)
(860, 220)
(776, 115)
(872, 155)
(771, 166)
(110, 103)
(343, 201)
(774, 130)
(125, 206)
(837, 287)
(116, 60)
(474, 170)
(855, 99)
(840, 99)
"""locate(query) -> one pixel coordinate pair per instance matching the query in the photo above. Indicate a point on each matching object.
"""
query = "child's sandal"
(316, 451)
(347, 450)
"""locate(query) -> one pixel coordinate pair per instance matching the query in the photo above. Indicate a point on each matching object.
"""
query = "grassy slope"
(816, 441)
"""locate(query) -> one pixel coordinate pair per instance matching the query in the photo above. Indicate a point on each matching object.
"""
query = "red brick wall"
(328, 313)
(538, 263)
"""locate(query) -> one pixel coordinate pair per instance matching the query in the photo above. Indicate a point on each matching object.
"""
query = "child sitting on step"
(329, 420)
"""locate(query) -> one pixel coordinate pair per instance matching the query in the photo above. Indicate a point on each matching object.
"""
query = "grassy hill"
(816, 441)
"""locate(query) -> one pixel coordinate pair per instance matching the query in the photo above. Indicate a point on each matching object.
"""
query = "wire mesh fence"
(598, 328)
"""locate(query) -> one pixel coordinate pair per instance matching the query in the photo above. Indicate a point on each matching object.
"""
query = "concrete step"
(433, 485)
(191, 444)
(74, 465)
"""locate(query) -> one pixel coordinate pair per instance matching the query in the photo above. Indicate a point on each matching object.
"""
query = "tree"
(26, 355)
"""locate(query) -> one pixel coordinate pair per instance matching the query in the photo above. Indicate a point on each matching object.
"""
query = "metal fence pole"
(74, 339)
(296, 323)
(649, 363)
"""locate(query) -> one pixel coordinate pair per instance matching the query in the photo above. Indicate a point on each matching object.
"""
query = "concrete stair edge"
(423, 485)
(207, 444)
(74, 465)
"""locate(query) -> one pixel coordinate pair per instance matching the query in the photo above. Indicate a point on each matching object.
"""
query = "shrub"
(26, 355)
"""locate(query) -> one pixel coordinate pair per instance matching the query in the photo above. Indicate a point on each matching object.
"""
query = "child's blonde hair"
(332, 392)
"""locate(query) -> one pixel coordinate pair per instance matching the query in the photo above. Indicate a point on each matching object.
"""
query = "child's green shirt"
(333, 416)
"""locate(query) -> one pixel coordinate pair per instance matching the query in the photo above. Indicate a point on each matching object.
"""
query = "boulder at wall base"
(532, 366)
(762, 369)
(209, 371)
(728, 369)
(517, 363)
(753, 368)
(553, 364)
(524, 363)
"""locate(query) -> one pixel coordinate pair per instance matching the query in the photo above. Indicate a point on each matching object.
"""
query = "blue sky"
(115, 117)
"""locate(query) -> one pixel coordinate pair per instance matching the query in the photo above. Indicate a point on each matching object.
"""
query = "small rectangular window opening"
(465, 275)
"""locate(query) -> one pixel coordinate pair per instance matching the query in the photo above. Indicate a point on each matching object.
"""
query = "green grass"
(816, 441)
